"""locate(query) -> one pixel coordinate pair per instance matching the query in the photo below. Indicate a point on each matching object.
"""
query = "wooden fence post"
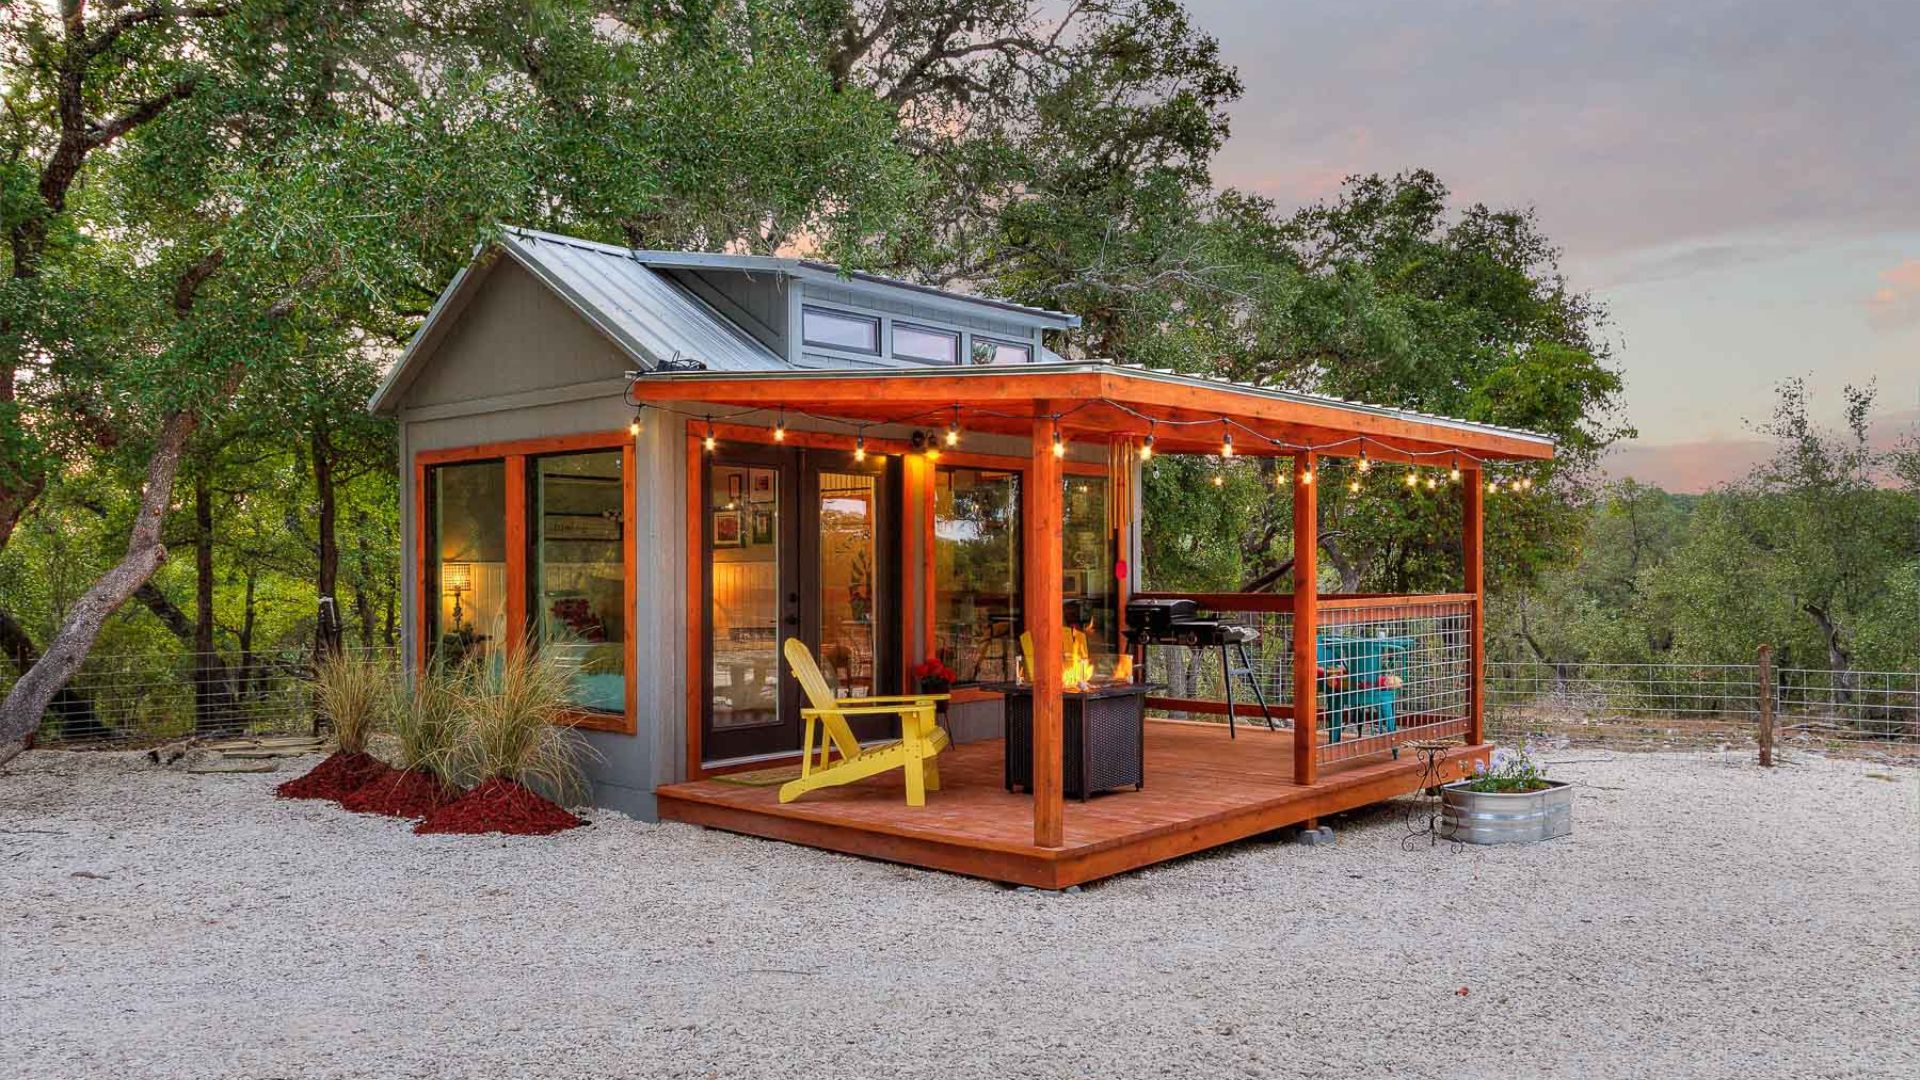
(1764, 676)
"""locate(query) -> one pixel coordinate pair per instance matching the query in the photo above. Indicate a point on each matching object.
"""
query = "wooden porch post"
(1306, 613)
(1040, 491)
(1473, 495)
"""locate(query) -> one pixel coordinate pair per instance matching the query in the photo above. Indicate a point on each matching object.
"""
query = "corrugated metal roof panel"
(654, 318)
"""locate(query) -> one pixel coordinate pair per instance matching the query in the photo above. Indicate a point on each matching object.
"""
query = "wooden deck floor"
(1202, 790)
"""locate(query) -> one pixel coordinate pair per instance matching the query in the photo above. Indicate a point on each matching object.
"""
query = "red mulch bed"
(499, 806)
(407, 793)
(335, 778)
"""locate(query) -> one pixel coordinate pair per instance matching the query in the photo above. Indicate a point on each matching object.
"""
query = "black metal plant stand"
(1428, 803)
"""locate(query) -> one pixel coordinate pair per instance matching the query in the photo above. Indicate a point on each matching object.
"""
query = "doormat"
(760, 777)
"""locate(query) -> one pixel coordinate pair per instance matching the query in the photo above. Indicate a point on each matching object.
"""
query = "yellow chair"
(921, 740)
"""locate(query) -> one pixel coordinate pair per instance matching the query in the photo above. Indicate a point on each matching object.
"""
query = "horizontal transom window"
(912, 342)
(988, 350)
(840, 330)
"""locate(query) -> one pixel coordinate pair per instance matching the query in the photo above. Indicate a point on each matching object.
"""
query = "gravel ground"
(1708, 919)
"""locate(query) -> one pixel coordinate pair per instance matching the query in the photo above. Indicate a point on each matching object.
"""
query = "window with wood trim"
(531, 543)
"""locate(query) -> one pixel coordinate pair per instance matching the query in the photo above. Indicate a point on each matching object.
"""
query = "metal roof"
(653, 318)
(804, 269)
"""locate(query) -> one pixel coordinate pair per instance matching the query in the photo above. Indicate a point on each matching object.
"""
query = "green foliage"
(1511, 772)
(1814, 553)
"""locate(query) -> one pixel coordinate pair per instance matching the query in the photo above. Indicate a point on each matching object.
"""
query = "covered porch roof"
(1182, 413)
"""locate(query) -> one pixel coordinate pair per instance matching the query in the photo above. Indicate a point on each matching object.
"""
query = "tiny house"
(667, 466)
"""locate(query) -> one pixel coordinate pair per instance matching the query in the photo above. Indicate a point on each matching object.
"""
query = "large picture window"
(467, 559)
(578, 578)
(976, 552)
(529, 545)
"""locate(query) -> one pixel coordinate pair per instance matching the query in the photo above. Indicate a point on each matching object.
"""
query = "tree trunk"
(27, 702)
(213, 689)
(326, 637)
(1345, 567)
(1839, 657)
(73, 709)
(248, 676)
(363, 584)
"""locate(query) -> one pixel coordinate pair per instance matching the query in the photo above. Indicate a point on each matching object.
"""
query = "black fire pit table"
(1103, 744)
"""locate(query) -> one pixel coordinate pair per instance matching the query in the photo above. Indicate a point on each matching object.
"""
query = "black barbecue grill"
(1177, 621)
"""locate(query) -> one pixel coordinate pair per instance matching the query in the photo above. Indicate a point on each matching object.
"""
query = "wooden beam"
(1306, 614)
(1041, 521)
(1473, 494)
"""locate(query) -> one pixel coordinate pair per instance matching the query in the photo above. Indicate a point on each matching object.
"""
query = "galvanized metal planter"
(1486, 817)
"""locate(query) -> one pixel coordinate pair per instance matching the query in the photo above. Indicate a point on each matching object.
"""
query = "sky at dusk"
(1739, 182)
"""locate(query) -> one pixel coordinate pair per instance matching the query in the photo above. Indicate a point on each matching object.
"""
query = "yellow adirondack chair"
(921, 740)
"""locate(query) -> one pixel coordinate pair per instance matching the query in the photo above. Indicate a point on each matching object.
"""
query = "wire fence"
(141, 698)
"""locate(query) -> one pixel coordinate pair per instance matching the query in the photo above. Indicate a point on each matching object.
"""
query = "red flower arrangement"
(932, 674)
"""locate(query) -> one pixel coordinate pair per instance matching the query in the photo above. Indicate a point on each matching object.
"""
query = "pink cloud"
(1897, 301)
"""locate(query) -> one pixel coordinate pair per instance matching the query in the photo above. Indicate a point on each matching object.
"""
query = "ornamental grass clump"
(514, 725)
(425, 719)
(354, 694)
(1510, 772)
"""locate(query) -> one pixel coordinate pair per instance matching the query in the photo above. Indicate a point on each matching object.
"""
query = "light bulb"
(634, 427)
(1432, 482)
(1455, 474)
(1146, 448)
(780, 432)
(1226, 445)
(1306, 476)
(1059, 447)
(709, 442)
(1354, 486)
(1493, 487)
(1366, 463)
(1218, 480)
(860, 448)
(953, 434)
(1413, 479)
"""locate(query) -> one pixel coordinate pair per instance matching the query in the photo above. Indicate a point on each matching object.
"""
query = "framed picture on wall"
(761, 487)
(729, 529)
(736, 487)
(762, 527)
(1073, 583)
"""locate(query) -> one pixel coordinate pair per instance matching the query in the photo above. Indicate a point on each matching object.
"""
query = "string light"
(1455, 474)
(1493, 487)
(1226, 443)
(860, 447)
(1366, 463)
(633, 428)
(1354, 486)
(1218, 480)
(1306, 476)
(780, 427)
(1413, 478)
(710, 442)
(1146, 447)
(953, 428)
(1059, 447)
(1432, 482)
